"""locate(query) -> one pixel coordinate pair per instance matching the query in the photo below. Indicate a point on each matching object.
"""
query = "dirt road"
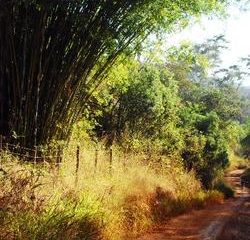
(227, 221)
(238, 225)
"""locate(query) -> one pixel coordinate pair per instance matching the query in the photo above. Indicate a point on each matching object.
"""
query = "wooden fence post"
(35, 155)
(125, 157)
(77, 163)
(44, 161)
(110, 159)
(1, 149)
(1, 142)
(96, 158)
(59, 156)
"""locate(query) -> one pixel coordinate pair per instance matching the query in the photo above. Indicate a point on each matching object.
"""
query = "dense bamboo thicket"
(53, 54)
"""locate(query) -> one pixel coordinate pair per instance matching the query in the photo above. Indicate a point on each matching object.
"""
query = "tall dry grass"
(44, 202)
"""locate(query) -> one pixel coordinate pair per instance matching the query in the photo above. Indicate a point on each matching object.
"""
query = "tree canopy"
(171, 106)
(53, 54)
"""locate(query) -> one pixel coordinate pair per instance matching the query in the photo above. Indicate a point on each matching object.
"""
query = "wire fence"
(31, 155)
(56, 157)
(79, 161)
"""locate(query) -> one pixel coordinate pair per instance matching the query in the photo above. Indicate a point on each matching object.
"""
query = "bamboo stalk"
(54, 54)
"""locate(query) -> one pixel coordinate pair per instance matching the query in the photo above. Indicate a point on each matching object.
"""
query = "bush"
(29, 210)
(224, 188)
(245, 178)
(161, 204)
(206, 149)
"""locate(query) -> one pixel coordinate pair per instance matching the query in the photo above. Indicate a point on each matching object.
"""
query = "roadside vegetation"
(37, 204)
(143, 132)
(172, 138)
(245, 178)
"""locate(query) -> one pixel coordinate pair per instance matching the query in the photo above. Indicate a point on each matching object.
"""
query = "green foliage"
(173, 108)
(29, 213)
(245, 139)
(245, 178)
(145, 109)
(56, 53)
(245, 142)
(224, 188)
(206, 149)
(150, 101)
(212, 107)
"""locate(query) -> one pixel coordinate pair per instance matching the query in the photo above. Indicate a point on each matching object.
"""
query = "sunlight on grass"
(100, 201)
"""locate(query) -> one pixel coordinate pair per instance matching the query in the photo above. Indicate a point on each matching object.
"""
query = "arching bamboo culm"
(48, 50)
(54, 53)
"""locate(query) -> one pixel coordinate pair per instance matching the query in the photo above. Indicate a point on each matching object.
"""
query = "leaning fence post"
(77, 163)
(110, 159)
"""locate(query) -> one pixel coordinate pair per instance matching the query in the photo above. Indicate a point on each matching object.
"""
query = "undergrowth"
(224, 188)
(237, 162)
(47, 203)
(245, 178)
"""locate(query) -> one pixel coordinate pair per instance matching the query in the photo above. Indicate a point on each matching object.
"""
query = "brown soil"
(227, 221)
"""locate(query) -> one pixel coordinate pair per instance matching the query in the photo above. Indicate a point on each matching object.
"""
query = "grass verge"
(40, 203)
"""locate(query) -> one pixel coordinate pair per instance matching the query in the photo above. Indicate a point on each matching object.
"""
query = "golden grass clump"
(100, 201)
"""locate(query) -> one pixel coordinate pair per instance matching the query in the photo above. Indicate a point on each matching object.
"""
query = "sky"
(236, 28)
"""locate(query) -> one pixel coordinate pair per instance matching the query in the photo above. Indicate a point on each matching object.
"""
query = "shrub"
(245, 178)
(161, 204)
(224, 188)
(201, 199)
(28, 210)
(206, 149)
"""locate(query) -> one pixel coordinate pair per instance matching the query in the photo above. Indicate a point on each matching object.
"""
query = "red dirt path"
(222, 221)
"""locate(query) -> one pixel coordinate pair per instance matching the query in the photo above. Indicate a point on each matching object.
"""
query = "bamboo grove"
(53, 54)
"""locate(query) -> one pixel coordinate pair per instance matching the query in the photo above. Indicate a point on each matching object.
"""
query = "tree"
(53, 54)
(212, 106)
(149, 106)
(206, 147)
(172, 106)
(245, 141)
